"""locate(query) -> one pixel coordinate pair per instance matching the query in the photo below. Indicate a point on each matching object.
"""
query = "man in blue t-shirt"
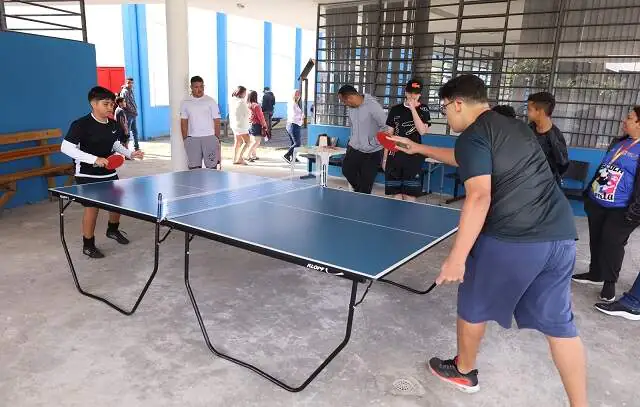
(515, 248)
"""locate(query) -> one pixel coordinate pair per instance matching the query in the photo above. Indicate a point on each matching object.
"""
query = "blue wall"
(153, 121)
(34, 98)
(592, 156)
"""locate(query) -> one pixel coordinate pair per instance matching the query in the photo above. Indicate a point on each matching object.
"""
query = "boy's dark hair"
(196, 79)
(467, 87)
(637, 110)
(347, 90)
(130, 78)
(119, 100)
(267, 89)
(544, 101)
(253, 97)
(505, 110)
(99, 93)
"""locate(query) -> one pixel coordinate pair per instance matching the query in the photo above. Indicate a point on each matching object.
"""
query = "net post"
(159, 214)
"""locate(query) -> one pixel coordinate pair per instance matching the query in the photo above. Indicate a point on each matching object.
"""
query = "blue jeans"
(631, 299)
(133, 130)
(294, 135)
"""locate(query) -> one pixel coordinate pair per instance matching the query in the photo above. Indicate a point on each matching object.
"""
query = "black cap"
(413, 86)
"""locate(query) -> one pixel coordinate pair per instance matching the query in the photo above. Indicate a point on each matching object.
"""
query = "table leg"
(157, 241)
(305, 383)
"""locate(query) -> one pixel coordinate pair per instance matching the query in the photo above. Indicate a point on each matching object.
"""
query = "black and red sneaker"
(447, 370)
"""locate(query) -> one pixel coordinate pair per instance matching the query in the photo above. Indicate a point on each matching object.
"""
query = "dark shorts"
(255, 130)
(89, 180)
(402, 175)
(528, 281)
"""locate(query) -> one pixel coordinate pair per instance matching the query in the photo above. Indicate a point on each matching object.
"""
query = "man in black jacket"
(268, 103)
(539, 109)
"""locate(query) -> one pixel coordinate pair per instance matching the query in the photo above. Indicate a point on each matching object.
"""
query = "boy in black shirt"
(539, 109)
(120, 116)
(90, 140)
(410, 119)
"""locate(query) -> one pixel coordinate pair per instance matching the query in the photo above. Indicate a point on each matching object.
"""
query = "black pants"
(361, 169)
(609, 233)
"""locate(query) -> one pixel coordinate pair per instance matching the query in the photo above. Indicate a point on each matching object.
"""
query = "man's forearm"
(184, 129)
(474, 214)
(442, 154)
(216, 127)
(420, 125)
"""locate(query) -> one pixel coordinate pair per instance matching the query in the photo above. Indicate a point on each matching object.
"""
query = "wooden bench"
(9, 182)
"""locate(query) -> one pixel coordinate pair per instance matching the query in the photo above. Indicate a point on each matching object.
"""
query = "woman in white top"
(239, 123)
(295, 120)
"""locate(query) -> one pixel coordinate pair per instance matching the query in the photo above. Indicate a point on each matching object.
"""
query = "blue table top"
(362, 234)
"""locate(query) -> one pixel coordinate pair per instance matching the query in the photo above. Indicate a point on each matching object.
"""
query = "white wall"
(283, 61)
(202, 51)
(245, 53)
(104, 30)
(309, 51)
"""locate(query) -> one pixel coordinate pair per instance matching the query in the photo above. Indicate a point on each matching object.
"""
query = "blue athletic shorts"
(528, 281)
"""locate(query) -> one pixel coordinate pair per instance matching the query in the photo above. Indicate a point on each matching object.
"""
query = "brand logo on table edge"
(324, 269)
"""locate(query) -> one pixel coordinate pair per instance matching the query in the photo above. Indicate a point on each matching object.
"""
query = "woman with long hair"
(295, 120)
(239, 123)
(612, 204)
(257, 125)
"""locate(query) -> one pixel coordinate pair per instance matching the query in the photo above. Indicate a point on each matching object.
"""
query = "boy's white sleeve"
(119, 148)
(74, 152)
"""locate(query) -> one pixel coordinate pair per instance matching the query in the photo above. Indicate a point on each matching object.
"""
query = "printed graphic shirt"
(401, 120)
(618, 188)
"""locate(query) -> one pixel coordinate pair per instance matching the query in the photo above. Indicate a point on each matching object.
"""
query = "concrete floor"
(58, 348)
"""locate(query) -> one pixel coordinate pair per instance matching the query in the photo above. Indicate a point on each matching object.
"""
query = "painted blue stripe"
(298, 64)
(142, 90)
(132, 53)
(268, 36)
(223, 85)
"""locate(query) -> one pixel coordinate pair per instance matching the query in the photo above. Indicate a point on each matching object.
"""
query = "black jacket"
(268, 101)
(557, 156)
(633, 210)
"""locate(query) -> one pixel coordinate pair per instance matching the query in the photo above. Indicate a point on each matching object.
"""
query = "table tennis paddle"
(390, 145)
(114, 161)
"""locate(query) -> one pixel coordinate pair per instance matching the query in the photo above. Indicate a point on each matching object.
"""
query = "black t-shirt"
(401, 120)
(526, 203)
(95, 138)
(545, 141)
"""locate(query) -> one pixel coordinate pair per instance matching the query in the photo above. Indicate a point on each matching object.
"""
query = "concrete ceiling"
(302, 13)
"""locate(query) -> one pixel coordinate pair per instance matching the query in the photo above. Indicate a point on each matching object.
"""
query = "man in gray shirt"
(364, 152)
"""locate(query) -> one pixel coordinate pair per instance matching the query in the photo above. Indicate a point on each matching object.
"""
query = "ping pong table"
(355, 236)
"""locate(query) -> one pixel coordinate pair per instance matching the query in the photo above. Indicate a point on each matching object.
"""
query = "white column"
(178, 67)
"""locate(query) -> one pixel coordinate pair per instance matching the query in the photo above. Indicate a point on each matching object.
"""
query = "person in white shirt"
(200, 126)
(239, 122)
(295, 120)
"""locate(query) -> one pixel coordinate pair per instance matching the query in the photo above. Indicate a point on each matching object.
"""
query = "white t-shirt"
(201, 112)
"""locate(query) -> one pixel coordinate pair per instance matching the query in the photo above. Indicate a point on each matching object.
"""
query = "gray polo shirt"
(366, 121)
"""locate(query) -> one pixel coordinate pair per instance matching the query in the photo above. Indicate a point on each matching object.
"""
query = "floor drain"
(407, 387)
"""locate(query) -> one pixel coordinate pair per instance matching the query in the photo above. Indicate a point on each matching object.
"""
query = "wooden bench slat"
(28, 152)
(54, 170)
(15, 138)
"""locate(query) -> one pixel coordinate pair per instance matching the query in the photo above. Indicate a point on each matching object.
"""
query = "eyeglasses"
(443, 108)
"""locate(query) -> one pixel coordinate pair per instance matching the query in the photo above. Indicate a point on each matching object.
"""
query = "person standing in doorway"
(295, 119)
(364, 152)
(200, 126)
(120, 116)
(131, 111)
(268, 105)
(239, 122)
(539, 110)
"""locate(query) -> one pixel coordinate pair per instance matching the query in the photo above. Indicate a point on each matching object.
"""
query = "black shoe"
(585, 278)
(287, 159)
(619, 310)
(118, 236)
(608, 293)
(447, 370)
(92, 252)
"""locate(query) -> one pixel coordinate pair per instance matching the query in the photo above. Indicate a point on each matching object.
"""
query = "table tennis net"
(208, 200)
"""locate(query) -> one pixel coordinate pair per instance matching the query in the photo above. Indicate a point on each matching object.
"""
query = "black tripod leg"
(352, 301)
(96, 297)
